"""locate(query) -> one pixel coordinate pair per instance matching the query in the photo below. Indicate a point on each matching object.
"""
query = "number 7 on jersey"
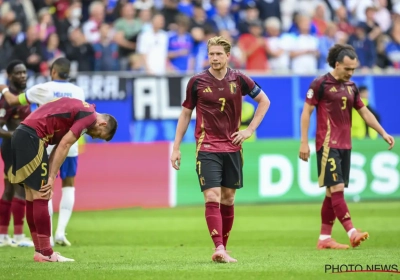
(223, 103)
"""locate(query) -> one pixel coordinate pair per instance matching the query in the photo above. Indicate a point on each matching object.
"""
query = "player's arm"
(371, 121)
(11, 99)
(4, 133)
(59, 153)
(262, 108)
(181, 128)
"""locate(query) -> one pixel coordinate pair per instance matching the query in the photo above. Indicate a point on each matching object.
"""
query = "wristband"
(4, 90)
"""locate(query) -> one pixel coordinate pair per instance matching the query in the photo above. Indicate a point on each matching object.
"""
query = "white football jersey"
(42, 93)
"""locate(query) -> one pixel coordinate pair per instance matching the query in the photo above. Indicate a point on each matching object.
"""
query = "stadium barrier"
(147, 108)
(140, 175)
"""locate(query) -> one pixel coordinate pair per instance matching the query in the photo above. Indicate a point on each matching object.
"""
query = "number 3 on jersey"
(344, 99)
(223, 103)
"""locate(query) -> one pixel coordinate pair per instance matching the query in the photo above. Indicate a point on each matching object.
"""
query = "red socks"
(31, 224)
(327, 216)
(214, 222)
(5, 216)
(18, 212)
(227, 214)
(41, 217)
(341, 210)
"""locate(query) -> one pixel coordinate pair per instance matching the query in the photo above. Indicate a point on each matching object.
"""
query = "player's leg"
(329, 173)
(355, 236)
(30, 219)
(209, 172)
(232, 179)
(5, 213)
(67, 173)
(18, 209)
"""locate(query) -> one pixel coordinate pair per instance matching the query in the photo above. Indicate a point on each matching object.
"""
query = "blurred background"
(133, 58)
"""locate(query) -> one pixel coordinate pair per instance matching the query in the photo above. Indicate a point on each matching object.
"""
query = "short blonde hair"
(219, 41)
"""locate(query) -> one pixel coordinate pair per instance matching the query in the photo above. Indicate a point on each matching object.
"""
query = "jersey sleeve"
(248, 86)
(358, 103)
(38, 94)
(312, 93)
(191, 94)
(84, 119)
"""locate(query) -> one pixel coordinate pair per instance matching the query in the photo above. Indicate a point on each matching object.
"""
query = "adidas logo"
(237, 183)
(333, 89)
(208, 89)
(214, 232)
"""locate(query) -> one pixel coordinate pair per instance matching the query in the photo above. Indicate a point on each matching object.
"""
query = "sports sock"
(5, 216)
(66, 206)
(214, 222)
(51, 216)
(31, 224)
(327, 218)
(18, 212)
(227, 214)
(341, 210)
(42, 224)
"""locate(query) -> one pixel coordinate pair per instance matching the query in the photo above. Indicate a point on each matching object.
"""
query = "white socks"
(350, 232)
(66, 206)
(323, 237)
(51, 216)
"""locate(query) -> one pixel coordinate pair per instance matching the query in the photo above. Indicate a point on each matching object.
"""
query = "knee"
(8, 193)
(228, 200)
(212, 196)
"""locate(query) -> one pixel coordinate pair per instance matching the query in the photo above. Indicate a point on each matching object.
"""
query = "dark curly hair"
(338, 52)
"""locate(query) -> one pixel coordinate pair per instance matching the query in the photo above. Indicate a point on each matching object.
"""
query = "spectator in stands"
(319, 20)
(278, 46)
(364, 47)
(251, 14)
(30, 50)
(325, 43)
(52, 51)
(200, 19)
(304, 48)
(223, 19)
(254, 47)
(145, 16)
(23, 10)
(15, 33)
(136, 64)
(153, 47)
(269, 8)
(6, 49)
(371, 28)
(143, 4)
(45, 27)
(80, 51)
(199, 53)
(185, 7)
(71, 21)
(127, 28)
(170, 11)
(393, 47)
(106, 51)
(342, 21)
(382, 15)
(91, 28)
(180, 46)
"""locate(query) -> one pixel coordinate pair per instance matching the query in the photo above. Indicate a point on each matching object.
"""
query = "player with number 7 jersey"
(217, 95)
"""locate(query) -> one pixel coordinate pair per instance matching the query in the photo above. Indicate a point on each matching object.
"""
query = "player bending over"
(42, 94)
(334, 96)
(217, 95)
(59, 123)
(13, 199)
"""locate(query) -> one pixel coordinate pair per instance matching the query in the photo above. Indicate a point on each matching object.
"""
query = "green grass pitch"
(269, 241)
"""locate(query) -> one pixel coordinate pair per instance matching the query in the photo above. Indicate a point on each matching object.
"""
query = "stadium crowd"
(170, 36)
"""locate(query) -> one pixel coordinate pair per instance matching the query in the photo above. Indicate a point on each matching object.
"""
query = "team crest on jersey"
(232, 87)
(2, 112)
(310, 93)
(350, 90)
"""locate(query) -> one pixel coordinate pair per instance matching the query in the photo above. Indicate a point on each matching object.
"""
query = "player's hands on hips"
(241, 136)
(176, 159)
(389, 139)
(304, 153)
(47, 190)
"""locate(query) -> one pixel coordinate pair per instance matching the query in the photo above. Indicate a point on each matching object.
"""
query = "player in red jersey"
(60, 122)
(217, 95)
(334, 96)
(13, 198)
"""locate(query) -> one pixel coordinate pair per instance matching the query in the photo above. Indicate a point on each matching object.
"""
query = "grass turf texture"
(269, 241)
